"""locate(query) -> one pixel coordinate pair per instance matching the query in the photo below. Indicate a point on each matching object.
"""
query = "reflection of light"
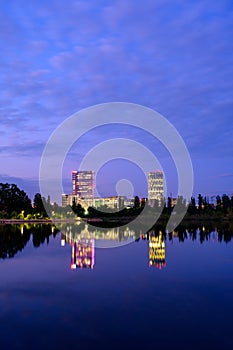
(63, 242)
(157, 251)
(92, 255)
(82, 254)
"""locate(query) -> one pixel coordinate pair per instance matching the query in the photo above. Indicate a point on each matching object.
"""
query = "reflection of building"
(157, 251)
(82, 241)
(80, 232)
(83, 253)
(155, 187)
(83, 183)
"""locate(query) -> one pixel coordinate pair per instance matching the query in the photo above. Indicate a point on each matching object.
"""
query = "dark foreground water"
(63, 293)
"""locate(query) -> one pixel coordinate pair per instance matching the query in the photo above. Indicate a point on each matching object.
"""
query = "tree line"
(15, 204)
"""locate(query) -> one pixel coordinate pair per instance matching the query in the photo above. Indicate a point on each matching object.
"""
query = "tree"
(200, 202)
(193, 202)
(218, 203)
(205, 204)
(169, 205)
(38, 205)
(79, 210)
(143, 202)
(13, 200)
(73, 206)
(192, 206)
(218, 200)
(136, 202)
(226, 203)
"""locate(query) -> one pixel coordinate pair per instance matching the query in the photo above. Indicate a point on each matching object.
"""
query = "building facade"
(155, 187)
(83, 183)
(114, 202)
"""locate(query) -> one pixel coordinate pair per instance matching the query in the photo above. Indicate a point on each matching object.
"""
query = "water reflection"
(157, 251)
(82, 252)
(82, 242)
(14, 238)
(81, 230)
(83, 238)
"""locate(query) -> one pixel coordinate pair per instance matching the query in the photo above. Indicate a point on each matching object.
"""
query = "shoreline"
(33, 221)
(120, 221)
(46, 221)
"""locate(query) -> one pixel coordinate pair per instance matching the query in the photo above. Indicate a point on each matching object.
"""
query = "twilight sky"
(174, 56)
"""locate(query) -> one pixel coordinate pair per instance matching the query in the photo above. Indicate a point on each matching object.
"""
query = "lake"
(60, 290)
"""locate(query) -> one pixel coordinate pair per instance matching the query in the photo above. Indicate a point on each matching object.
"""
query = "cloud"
(173, 57)
(37, 46)
(226, 175)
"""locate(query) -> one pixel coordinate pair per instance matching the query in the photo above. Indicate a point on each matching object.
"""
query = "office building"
(114, 202)
(83, 183)
(155, 187)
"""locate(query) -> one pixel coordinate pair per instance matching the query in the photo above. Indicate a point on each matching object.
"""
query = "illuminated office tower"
(157, 251)
(83, 183)
(155, 187)
(83, 253)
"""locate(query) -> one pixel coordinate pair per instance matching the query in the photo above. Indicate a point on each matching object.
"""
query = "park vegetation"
(15, 204)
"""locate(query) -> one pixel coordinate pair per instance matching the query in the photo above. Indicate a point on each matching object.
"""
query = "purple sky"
(175, 57)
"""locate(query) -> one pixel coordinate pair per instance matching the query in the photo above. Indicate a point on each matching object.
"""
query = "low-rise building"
(113, 202)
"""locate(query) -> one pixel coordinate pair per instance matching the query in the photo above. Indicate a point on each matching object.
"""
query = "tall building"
(83, 183)
(155, 187)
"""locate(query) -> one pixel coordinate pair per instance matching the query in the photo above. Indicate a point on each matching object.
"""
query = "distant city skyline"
(83, 192)
(173, 57)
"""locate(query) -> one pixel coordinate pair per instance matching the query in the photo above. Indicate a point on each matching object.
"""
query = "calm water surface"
(61, 292)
